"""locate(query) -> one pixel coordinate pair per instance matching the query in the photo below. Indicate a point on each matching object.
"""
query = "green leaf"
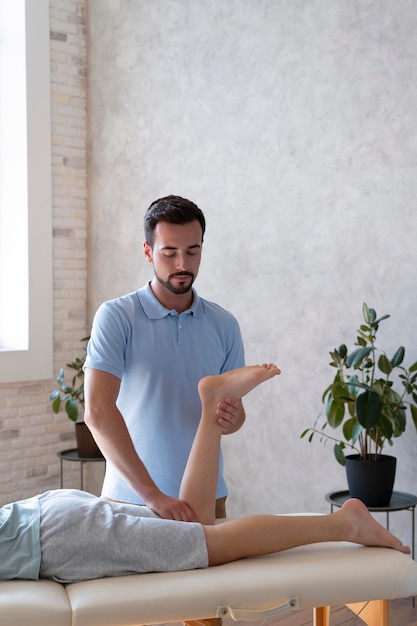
(338, 452)
(356, 431)
(71, 408)
(390, 395)
(398, 357)
(56, 402)
(400, 421)
(339, 391)
(342, 350)
(376, 322)
(60, 378)
(379, 387)
(413, 367)
(368, 408)
(385, 365)
(335, 412)
(362, 340)
(356, 357)
(348, 428)
(386, 426)
(366, 312)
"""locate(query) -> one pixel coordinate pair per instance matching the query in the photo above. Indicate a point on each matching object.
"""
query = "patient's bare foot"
(235, 383)
(366, 530)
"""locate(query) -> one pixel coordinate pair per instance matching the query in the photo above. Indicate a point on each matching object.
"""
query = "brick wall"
(30, 434)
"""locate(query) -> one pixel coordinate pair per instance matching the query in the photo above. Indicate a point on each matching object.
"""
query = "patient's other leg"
(264, 534)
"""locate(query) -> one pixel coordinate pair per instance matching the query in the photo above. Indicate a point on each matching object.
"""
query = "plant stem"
(320, 432)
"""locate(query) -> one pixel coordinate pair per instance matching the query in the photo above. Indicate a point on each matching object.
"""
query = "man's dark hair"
(174, 210)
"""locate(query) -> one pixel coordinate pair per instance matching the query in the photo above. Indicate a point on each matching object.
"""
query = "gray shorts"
(84, 537)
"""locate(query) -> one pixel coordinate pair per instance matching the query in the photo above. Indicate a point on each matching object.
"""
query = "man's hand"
(171, 508)
(231, 415)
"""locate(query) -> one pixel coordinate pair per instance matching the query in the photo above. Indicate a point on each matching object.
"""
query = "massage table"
(254, 589)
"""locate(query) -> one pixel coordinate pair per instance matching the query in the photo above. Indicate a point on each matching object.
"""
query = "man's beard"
(185, 288)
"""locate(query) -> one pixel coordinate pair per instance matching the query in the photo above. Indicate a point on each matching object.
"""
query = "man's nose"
(182, 262)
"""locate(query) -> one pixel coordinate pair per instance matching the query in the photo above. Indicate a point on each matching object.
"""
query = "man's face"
(175, 255)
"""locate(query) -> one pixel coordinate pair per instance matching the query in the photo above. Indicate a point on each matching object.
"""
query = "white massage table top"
(315, 575)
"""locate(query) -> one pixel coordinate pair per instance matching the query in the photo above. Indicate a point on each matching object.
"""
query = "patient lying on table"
(70, 535)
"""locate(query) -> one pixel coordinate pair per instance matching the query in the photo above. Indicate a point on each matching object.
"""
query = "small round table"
(72, 455)
(399, 502)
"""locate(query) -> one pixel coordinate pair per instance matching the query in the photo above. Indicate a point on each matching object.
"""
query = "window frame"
(35, 362)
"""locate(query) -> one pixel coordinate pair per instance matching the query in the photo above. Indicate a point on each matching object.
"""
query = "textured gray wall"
(293, 126)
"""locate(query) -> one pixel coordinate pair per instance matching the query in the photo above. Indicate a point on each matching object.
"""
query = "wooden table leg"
(321, 616)
(374, 613)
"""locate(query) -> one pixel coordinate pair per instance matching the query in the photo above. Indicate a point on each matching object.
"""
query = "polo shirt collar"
(155, 310)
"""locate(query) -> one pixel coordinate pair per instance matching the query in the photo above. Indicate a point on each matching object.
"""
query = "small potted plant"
(369, 399)
(71, 397)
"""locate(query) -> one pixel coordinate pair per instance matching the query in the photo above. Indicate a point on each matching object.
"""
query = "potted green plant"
(369, 399)
(71, 397)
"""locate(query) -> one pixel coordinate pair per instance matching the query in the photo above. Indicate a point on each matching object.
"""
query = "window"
(25, 192)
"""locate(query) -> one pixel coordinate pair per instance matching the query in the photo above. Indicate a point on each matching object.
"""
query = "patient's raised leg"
(198, 487)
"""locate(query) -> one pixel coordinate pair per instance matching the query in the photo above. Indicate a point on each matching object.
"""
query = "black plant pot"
(371, 481)
(86, 445)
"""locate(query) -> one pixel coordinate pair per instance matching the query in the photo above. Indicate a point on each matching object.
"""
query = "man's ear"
(147, 251)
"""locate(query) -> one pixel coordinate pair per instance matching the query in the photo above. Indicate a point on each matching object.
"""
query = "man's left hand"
(231, 415)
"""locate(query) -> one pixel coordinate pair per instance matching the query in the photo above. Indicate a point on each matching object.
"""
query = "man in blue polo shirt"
(147, 352)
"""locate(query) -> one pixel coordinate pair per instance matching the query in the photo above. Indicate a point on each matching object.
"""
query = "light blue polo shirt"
(160, 356)
(20, 551)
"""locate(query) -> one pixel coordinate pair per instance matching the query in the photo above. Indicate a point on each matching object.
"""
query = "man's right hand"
(171, 508)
